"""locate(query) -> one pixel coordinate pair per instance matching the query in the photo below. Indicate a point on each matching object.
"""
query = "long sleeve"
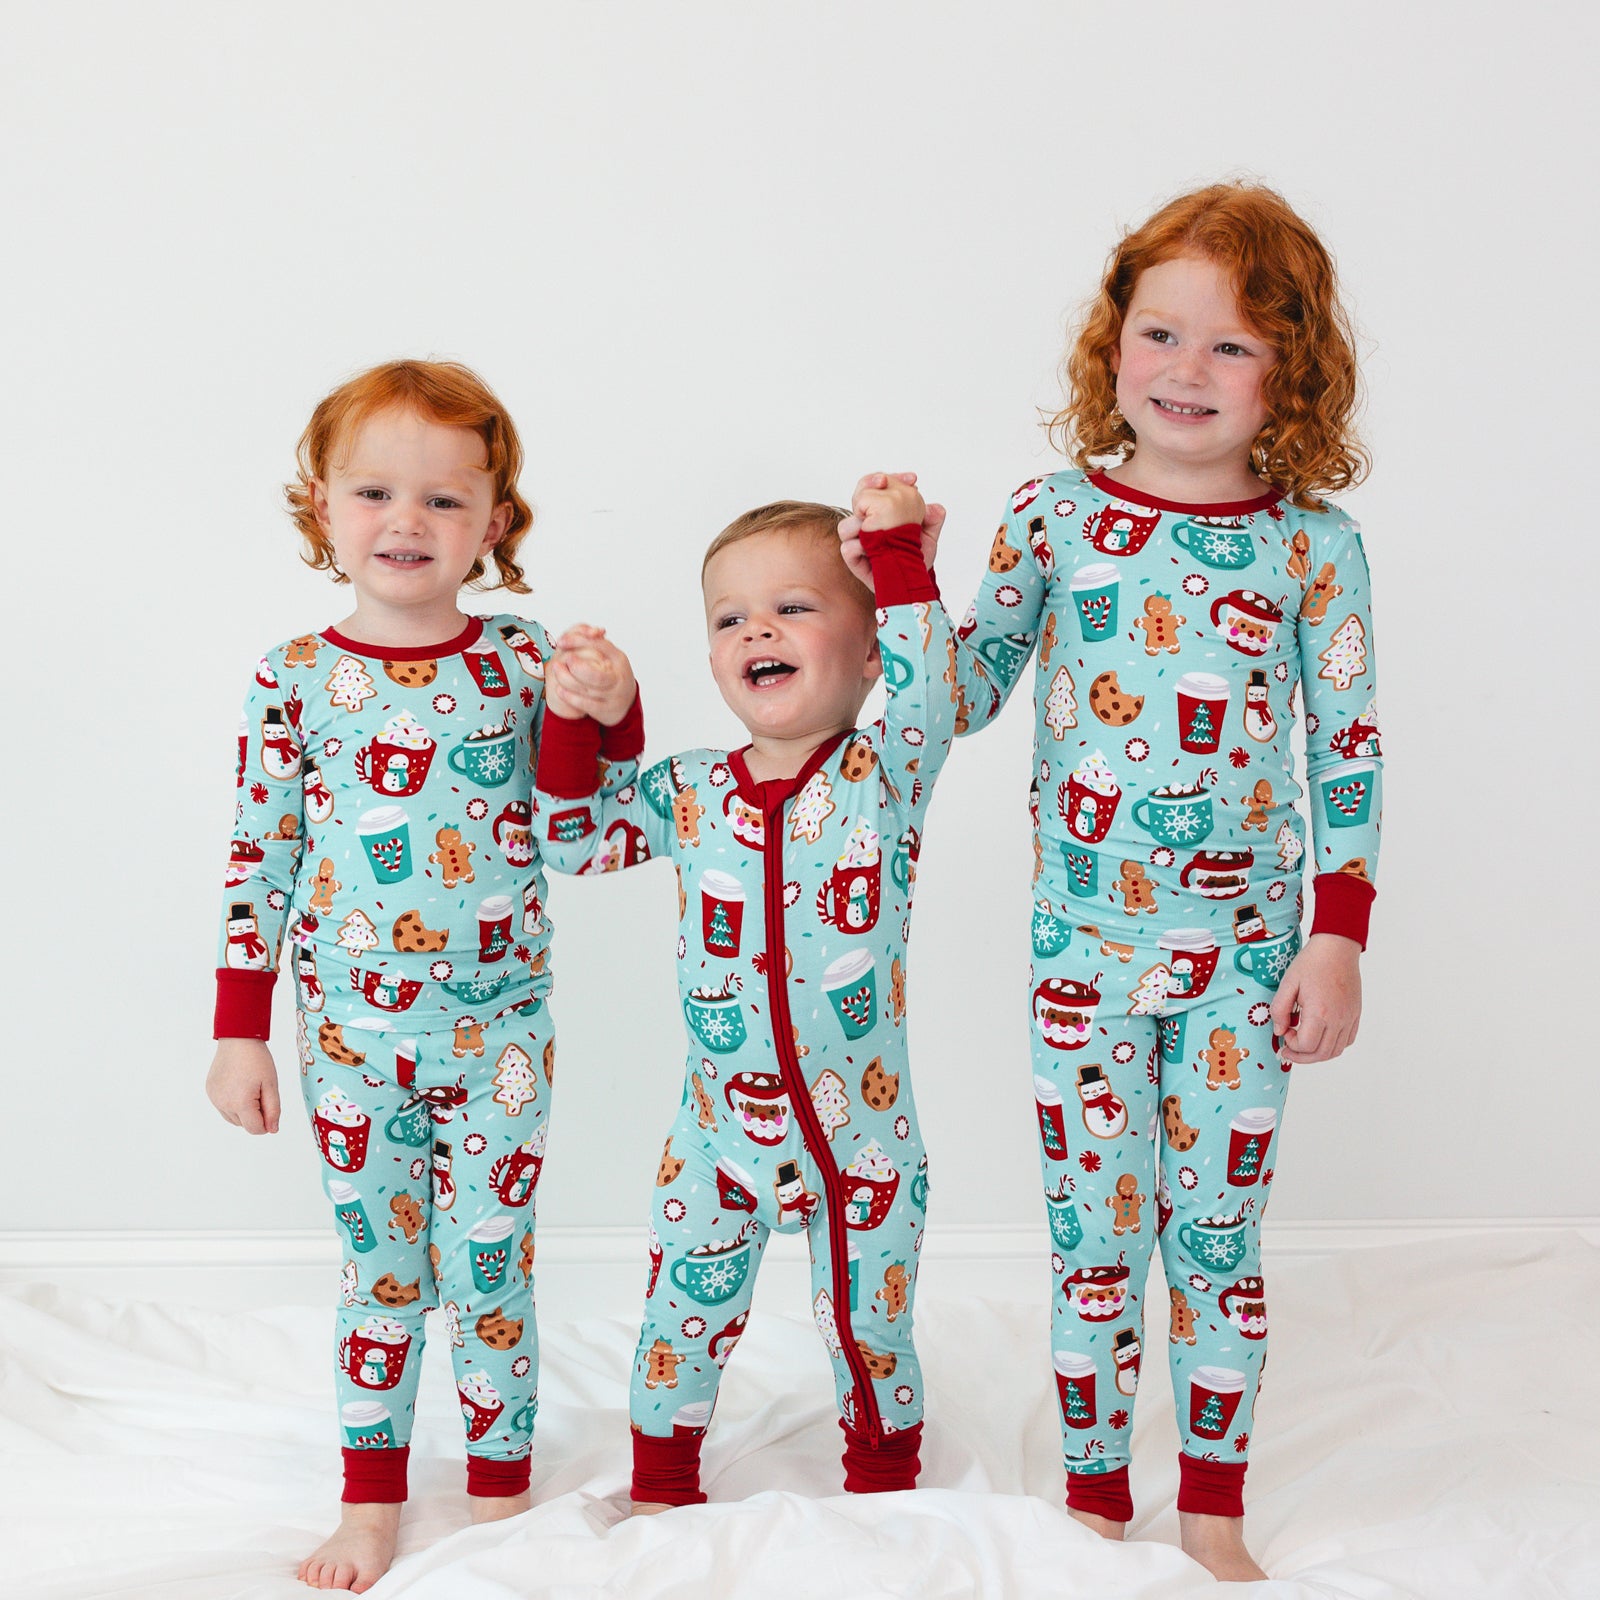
(997, 635)
(264, 854)
(917, 646)
(1344, 765)
(588, 825)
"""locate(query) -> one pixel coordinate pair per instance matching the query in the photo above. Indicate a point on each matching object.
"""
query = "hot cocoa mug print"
(1215, 1242)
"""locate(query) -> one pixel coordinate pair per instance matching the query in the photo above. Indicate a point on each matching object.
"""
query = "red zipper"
(805, 1113)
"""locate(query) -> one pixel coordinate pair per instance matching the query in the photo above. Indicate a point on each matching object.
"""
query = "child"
(1175, 601)
(795, 857)
(384, 818)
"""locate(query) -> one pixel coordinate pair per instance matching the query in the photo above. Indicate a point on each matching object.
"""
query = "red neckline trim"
(1220, 508)
(779, 789)
(414, 652)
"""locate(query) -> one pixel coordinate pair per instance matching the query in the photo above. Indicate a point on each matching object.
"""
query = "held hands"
(1320, 995)
(243, 1085)
(589, 677)
(887, 500)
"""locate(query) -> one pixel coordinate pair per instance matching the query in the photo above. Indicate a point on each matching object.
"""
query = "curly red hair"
(445, 392)
(1284, 280)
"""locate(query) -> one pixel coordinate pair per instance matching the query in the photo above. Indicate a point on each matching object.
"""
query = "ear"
(499, 521)
(873, 670)
(319, 503)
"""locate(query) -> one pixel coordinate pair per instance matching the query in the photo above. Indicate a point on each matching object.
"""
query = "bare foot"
(647, 1508)
(1217, 1543)
(1104, 1526)
(496, 1507)
(358, 1552)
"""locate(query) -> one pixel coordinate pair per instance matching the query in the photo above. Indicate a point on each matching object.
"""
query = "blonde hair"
(444, 392)
(1283, 278)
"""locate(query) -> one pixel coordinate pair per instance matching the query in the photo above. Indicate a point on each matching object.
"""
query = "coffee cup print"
(494, 927)
(1075, 1386)
(385, 835)
(1066, 1227)
(487, 670)
(490, 1243)
(374, 1354)
(411, 1125)
(1266, 960)
(1191, 955)
(1246, 621)
(1097, 1294)
(405, 1062)
(1094, 598)
(721, 912)
(513, 832)
(1214, 1242)
(1123, 529)
(397, 759)
(480, 1405)
(1218, 542)
(1170, 1033)
(736, 1189)
(712, 1273)
(367, 1425)
(851, 985)
(1176, 813)
(716, 1019)
(871, 1182)
(1214, 1395)
(692, 1420)
(1049, 933)
(919, 1185)
(1052, 1118)
(1244, 1304)
(1249, 1136)
(485, 757)
(352, 1215)
(1083, 872)
(1088, 799)
(341, 1128)
(1347, 793)
(1202, 706)
(853, 1269)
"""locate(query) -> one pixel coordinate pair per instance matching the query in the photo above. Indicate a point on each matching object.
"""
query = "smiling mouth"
(1174, 410)
(403, 558)
(763, 674)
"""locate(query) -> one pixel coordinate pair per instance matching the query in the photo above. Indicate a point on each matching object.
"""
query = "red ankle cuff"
(1210, 1488)
(494, 1479)
(1101, 1494)
(893, 1465)
(375, 1475)
(667, 1471)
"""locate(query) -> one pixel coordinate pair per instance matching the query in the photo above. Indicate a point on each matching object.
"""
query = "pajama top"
(795, 900)
(384, 818)
(1171, 641)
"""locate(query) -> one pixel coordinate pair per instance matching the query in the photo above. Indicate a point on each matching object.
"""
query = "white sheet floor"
(1430, 1427)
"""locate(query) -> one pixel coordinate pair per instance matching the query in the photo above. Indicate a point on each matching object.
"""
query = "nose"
(406, 517)
(1188, 363)
(757, 628)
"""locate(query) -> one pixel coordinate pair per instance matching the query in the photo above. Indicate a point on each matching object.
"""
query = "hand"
(931, 518)
(243, 1085)
(1317, 1009)
(589, 677)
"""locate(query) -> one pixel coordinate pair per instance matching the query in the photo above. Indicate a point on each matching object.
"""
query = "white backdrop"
(711, 255)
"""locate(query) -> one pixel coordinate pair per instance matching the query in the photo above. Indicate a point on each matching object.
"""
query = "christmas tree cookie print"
(1345, 659)
(349, 685)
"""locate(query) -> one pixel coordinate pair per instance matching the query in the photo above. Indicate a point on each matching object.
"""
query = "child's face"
(409, 508)
(1189, 369)
(786, 598)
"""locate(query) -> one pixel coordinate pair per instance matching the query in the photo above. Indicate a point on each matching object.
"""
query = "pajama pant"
(432, 1180)
(1158, 1125)
(710, 1222)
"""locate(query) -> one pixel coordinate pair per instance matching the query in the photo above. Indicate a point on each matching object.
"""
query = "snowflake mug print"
(1176, 814)
(1215, 1242)
(712, 1273)
(485, 757)
(1220, 542)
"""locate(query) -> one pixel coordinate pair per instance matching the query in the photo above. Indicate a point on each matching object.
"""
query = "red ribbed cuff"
(569, 756)
(493, 1479)
(1210, 1488)
(1101, 1494)
(667, 1471)
(624, 740)
(893, 1465)
(244, 1004)
(375, 1475)
(898, 574)
(1343, 905)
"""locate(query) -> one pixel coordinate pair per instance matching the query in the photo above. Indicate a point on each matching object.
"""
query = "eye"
(792, 609)
(445, 503)
(1229, 349)
(372, 494)
(1160, 335)
(729, 621)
